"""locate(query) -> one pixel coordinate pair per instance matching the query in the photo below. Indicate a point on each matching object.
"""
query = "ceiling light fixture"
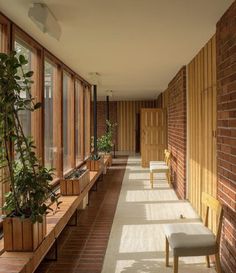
(41, 15)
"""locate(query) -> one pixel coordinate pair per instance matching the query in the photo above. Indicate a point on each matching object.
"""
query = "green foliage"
(105, 142)
(94, 157)
(29, 180)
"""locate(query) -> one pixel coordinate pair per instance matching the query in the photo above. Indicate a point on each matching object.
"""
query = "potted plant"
(25, 207)
(105, 142)
(95, 162)
(75, 182)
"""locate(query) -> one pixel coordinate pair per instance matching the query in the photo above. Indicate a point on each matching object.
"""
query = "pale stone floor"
(137, 241)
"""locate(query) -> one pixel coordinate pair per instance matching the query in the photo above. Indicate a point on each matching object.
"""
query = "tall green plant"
(29, 180)
(105, 142)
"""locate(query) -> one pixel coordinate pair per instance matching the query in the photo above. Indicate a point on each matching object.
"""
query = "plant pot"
(109, 158)
(95, 165)
(74, 186)
(23, 235)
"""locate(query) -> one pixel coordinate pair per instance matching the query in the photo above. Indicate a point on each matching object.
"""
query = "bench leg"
(55, 246)
(75, 218)
(100, 177)
(95, 187)
(167, 252)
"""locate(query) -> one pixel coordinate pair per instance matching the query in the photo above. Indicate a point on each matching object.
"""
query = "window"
(1, 37)
(4, 37)
(87, 121)
(66, 121)
(25, 116)
(58, 129)
(78, 116)
(49, 147)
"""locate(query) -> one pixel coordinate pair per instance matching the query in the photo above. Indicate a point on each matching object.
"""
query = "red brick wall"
(101, 117)
(226, 132)
(177, 130)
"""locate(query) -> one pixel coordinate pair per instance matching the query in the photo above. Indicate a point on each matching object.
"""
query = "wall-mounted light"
(95, 78)
(44, 19)
(109, 93)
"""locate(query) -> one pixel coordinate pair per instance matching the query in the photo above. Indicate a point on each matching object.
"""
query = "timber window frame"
(11, 32)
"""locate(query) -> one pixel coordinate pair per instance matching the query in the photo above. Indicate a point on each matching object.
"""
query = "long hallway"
(121, 231)
(136, 242)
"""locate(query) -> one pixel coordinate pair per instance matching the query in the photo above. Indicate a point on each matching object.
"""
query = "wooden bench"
(27, 262)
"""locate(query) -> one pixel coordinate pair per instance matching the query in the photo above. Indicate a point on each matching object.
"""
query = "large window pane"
(78, 93)
(25, 116)
(49, 74)
(87, 121)
(66, 109)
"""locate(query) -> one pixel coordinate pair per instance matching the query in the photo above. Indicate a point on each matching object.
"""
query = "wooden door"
(153, 135)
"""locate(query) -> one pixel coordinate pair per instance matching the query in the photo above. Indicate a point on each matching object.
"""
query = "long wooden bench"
(27, 262)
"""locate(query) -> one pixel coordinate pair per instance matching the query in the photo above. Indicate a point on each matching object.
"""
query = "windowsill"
(80, 163)
(55, 181)
(67, 171)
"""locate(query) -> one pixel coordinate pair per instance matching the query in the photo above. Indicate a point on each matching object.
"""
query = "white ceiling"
(136, 46)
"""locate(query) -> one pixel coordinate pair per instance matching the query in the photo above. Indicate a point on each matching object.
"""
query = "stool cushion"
(157, 163)
(159, 168)
(190, 239)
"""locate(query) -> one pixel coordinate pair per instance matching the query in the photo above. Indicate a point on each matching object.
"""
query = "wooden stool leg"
(167, 252)
(176, 264)
(167, 177)
(208, 261)
(218, 266)
(151, 179)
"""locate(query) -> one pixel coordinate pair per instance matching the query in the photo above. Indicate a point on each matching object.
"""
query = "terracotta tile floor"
(82, 248)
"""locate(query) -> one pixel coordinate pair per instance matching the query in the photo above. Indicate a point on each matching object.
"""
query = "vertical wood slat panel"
(126, 119)
(201, 127)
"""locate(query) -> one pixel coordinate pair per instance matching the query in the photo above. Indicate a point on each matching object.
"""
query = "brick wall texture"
(177, 130)
(101, 117)
(226, 132)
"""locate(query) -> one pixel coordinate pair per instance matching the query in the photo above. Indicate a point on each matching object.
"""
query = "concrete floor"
(136, 242)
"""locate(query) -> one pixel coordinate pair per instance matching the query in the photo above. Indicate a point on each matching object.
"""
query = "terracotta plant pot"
(109, 157)
(74, 186)
(23, 235)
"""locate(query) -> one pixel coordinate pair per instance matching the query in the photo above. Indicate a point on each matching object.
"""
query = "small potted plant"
(95, 162)
(75, 182)
(105, 142)
(25, 206)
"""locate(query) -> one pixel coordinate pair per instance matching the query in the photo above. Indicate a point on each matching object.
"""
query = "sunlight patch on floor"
(137, 242)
